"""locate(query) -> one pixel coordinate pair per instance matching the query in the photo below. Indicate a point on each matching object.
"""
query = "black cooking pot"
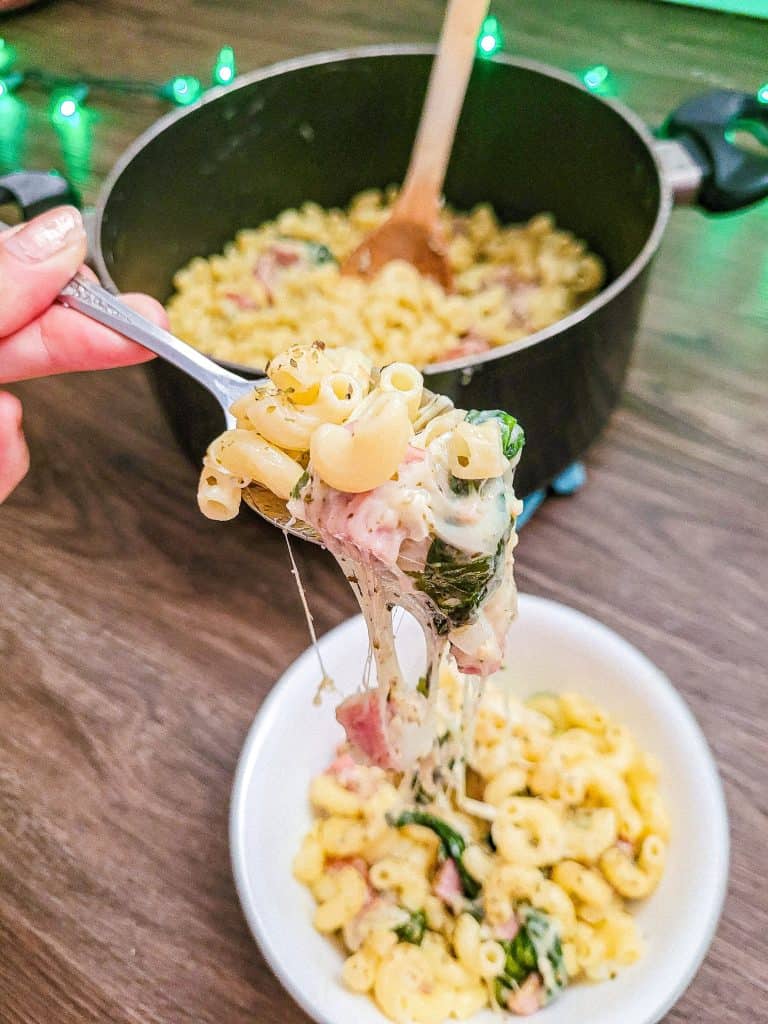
(531, 138)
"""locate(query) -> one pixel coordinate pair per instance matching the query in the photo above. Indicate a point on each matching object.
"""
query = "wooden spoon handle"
(420, 196)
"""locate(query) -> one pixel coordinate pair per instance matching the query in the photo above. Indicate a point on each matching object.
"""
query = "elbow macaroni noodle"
(578, 831)
(280, 285)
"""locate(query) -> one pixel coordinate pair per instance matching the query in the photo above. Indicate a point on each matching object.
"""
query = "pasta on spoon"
(417, 508)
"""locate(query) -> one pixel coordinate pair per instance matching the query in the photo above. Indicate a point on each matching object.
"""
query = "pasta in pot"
(280, 285)
(474, 923)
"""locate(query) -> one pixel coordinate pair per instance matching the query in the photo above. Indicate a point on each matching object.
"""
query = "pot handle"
(729, 178)
(36, 191)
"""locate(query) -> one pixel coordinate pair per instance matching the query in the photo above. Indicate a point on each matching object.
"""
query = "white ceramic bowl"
(551, 648)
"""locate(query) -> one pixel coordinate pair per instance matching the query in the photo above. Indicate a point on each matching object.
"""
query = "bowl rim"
(466, 365)
(269, 709)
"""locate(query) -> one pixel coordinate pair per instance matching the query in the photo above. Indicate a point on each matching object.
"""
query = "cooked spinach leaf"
(452, 845)
(300, 484)
(413, 929)
(512, 436)
(319, 254)
(545, 939)
(456, 582)
(536, 947)
(462, 487)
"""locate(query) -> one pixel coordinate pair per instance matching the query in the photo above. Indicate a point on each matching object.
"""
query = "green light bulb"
(66, 105)
(762, 93)
(491, 37)
(182, 90)
(225, 68)
(596, 76)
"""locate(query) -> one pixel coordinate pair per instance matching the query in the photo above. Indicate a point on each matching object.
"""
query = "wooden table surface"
(137, 640)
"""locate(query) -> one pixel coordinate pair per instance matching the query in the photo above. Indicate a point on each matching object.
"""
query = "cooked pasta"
(464, 903)
(280, 285)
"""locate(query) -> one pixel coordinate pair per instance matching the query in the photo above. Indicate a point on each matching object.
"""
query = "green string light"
(182, 90)
(7, 55)
(13, 127)
(596, 77)
(67, 105)
(762, 93)
(491, 37)
(225, 68)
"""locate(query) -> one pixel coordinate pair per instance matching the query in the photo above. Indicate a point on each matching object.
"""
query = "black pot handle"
(731, 177)
(36, 191)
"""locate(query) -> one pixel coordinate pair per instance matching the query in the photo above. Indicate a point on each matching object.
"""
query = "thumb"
(36, 261)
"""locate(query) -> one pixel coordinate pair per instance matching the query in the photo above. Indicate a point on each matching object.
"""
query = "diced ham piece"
(447, 884)
(284, 256)
(366, 522)
(344, 769)
(626, 847)
(362, 720)
(352, 775)
(271, 263)
(528, 998)
(508, 930)
(241, 301)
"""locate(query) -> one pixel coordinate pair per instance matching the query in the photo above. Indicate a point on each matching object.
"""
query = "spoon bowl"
(422, 245)
(266, 504)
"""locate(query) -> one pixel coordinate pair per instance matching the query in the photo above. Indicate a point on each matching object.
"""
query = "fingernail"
(47, 235)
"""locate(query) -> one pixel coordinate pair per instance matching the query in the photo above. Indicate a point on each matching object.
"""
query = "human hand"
(39, 337)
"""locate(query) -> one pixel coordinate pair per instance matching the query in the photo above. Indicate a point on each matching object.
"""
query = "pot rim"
(465, 364)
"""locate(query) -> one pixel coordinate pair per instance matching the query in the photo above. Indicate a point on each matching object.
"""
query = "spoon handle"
(420, 197)
(97, 303)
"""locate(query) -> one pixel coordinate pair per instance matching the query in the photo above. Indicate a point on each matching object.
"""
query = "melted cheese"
(383, 539)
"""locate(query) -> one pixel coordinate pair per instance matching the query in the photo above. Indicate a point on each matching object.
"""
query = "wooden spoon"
(412, 232)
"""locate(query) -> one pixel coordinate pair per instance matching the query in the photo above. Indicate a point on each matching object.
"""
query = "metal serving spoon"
(96, 302)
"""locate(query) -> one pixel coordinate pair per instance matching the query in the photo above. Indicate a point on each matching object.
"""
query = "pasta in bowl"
(550, 648)
(501, 899)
